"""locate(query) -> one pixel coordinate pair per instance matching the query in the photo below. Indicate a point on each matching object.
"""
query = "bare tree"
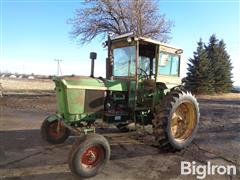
(99, 17)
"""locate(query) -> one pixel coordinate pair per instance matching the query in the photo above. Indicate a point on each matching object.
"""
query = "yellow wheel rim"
(183, 121)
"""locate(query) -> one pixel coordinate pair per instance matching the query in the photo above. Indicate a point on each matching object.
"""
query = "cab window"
(168, 64)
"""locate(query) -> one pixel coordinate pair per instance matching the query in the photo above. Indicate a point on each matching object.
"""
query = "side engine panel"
(94, 101)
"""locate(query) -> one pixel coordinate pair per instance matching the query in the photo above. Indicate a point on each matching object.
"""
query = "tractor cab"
(140, 58)
(149, 67)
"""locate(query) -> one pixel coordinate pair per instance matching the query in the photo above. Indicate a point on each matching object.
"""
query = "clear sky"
(35, 32)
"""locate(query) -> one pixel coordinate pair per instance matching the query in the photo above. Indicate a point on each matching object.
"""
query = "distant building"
(12, 76)
(31, 77)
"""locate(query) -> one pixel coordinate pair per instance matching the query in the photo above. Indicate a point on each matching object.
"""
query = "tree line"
(209, 71)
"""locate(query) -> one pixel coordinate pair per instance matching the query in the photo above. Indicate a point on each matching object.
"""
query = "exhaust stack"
(93, 56)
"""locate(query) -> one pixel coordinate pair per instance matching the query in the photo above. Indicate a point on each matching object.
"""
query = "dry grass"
(26, 85)
(226, 96)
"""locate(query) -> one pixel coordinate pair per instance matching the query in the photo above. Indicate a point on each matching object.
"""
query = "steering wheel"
(142, 74)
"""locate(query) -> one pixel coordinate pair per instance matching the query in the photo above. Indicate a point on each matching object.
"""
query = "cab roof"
(149, 40)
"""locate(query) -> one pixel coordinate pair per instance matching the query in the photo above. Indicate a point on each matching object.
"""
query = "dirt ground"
(25, 156)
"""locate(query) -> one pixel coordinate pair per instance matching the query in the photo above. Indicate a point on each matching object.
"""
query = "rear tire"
(50, 133)
(89, 155)
(176, 120)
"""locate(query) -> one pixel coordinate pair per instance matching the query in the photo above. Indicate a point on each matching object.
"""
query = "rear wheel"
(54, 132)
(89, 155)
(176, 120)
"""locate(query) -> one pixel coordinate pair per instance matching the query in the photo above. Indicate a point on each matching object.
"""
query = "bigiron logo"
(201, 171)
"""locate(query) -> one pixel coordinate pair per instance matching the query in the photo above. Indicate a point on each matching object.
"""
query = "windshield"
(124, 61)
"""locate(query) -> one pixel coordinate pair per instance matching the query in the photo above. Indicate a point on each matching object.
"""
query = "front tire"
(176, 120)
(89, 155)
(54, 132)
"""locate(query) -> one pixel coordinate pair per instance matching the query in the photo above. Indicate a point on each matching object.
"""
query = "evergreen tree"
(210, 68)
(199, 77)
(220, 65)
(224, 84)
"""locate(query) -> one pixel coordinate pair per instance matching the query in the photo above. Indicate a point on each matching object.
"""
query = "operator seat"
(149, 84)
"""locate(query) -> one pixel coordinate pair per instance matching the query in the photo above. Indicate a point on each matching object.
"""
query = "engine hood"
(85, 82)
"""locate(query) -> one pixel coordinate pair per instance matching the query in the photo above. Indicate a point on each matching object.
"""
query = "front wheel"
(176, 120)
(54, 132)
(89, 155)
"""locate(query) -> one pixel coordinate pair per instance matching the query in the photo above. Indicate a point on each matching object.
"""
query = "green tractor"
(142, 86)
